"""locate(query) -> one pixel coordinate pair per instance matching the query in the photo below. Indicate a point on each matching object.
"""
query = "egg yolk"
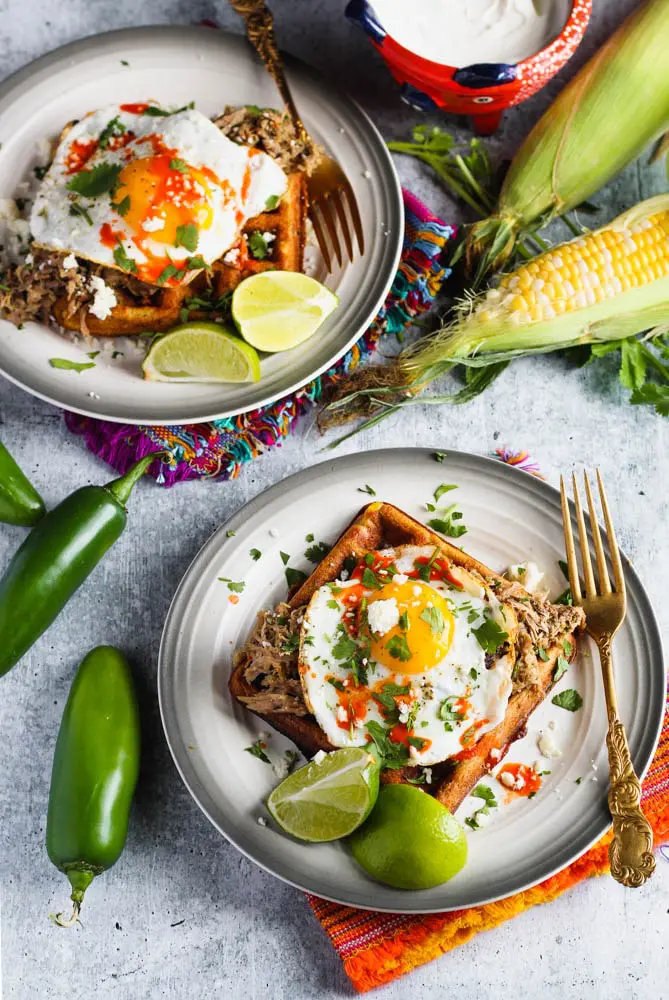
(423, 635)
(164, 193)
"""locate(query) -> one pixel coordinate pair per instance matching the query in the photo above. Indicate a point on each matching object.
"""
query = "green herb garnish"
(258, 245)
(96, 181)
(315, 553)
(367, 489)
(294, 577)
(255, 554)
(257, 750)
(398, 648)
(187, 237)
(490, 635)
(124, 262)
(71, 366)
(391, 754)
(235, 587)
(112, 128)
(434, 619)
(272, 202)
(561, 668)
(489, 802)
(569, 700)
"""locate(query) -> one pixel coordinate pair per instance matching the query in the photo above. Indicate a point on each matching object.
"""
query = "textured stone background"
(183, 914)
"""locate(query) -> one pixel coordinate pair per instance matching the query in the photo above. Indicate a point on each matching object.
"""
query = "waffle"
(378, 526)
(160, 309)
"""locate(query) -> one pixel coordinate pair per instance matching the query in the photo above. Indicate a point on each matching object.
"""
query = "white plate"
(511, 517)
(175, 65)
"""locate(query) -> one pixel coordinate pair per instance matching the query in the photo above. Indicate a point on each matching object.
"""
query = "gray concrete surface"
(183, 915)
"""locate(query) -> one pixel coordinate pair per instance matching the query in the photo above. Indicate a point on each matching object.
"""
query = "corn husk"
(605, 117)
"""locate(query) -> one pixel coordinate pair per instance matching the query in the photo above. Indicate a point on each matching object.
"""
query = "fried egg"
(155, 193)
(413, 644)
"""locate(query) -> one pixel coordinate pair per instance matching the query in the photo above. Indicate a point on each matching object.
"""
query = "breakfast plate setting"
(412, 690)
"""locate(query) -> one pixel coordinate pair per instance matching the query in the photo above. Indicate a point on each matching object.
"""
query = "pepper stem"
(57, 918)
(122, 488)
(79, 880)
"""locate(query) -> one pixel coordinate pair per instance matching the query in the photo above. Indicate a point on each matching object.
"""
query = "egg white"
(453, 677)
(198, 143)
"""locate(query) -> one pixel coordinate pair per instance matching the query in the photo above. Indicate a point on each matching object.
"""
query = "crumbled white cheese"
(342, 714)
(495, 754)
(319, 757)
(507, 779)
(400, 578)
(404, 712)
(281, 768)
(153, 225)
(104, 300)
(383, 615)
(519, 783)
(344, 575)
(69, 263)
(367, 174)
(269, 237)
(274, 533)
(427, 774)
(416, 591)
(232, 257)
(528, 574)
(261, 821)
(547, 745)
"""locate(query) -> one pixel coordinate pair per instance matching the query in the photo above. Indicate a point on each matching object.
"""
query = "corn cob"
(606, 285)
(603, 119)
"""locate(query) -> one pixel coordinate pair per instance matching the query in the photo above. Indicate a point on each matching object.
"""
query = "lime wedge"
(277, 310)
(201, 352)
(329, 799)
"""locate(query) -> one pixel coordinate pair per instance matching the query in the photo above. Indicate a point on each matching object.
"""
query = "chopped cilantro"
(112, 128)
(291, 644)
(417, 742)
(542, 654)
(418, 780)
(196, 264)
(272, 202)
(187, 237)
(446, 523)
(367, 489)
(98, 180)
(489, 802)
(92, 354)
(404, 621)
(116, 354)
(124, 62)
(230, 533)
(569, 700)
(447, 713)
(309, 538)
(291, 758)
(295, 577)
(285, 558)
(565, 569)
(473, 673)
(398, 648)
(71, 366)
(567, 647)
(168, 272)
(345, 647)
(434, 619)
(179, 165)
(255, 554)
(123, 206)
(424, 569)
(257, 750)
(439, 456)
(154, 112)
(370, 579)
(80, 210)
(578, 781)
(333, 604)
(444, 488)
(490, 635)
(336, 683)
(315, 553)
(124, 262)
(236, 588)
(391, 754)
(561, 668)
(258, 245)
(565, 597)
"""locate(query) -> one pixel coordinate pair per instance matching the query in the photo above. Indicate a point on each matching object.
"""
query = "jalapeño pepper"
(95, 768)
(55, 559)
(20, 503)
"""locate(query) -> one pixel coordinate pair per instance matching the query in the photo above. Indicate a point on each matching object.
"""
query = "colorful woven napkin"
(378, 947)
(220, 448)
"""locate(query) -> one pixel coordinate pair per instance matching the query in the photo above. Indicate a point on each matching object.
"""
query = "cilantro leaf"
(398, 648)
(391, 754)
(490, 635)
(567, 647)
(654, 394)
(285, 558)
(333, 604)
(633, 364)
(367, 489)
(434, 619)
(80, 210)
(168, 272)
(257, 750)
(230, 533)
(291, 644)
(112, 128)
(179, 165)
(272, 202)
(445, 524)
(71, 366)
(152, 111)
(187, 237)
(345, 648)
(336, 683)
(489, 802)
(370, 579)
(295, 577)
(447, 713)
(564, 568)
(444, 488)
(123, 206)
(124, 262)
(315, 553)
(569, 700)
(561, 668)
(439, 456)
(196, 263)
(309, 537)
(565, 597)
(255, 554)
(234, 587)
(258, 245)
(542, 654)
(96, 181)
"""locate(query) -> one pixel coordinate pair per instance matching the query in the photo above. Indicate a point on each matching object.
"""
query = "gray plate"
(511, 517)
(176, 65)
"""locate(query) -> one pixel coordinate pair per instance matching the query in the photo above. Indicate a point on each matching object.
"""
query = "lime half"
(329, 799)
(201, 352)
(277, 310)
(410, 841)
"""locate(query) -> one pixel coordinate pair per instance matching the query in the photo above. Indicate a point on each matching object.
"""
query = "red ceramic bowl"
(483, 91)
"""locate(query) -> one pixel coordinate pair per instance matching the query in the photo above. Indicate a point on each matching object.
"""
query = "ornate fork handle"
(260, 33)
(631, 850)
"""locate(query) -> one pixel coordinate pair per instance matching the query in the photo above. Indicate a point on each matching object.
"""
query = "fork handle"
(260, 32)
(631, 850)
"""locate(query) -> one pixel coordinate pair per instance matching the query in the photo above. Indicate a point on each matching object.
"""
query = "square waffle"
(379, 526)
(143, 308)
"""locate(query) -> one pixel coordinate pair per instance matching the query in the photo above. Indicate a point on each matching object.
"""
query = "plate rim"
(391, 183)
(213, 543)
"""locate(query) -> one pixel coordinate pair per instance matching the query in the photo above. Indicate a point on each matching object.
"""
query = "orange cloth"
(378, 947)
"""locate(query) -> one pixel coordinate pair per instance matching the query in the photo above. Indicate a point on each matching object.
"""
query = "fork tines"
(330, 209)
(602, 570)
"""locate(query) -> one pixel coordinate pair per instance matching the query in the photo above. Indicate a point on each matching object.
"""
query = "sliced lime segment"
(201, 352)
(329, 799)
(277, 310)
(410, 841)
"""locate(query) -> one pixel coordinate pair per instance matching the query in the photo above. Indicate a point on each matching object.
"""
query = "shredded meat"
(270, 655)
(29, 291)
(270, 131)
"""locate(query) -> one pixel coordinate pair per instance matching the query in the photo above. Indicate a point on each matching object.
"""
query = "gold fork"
(630, 851)
(328, 187)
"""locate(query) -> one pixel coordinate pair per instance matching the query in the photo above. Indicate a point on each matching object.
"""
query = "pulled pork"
(29, 291)
(271, 132)
(270, 655)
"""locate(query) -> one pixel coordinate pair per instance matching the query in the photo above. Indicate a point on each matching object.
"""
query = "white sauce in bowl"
(462, 32)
